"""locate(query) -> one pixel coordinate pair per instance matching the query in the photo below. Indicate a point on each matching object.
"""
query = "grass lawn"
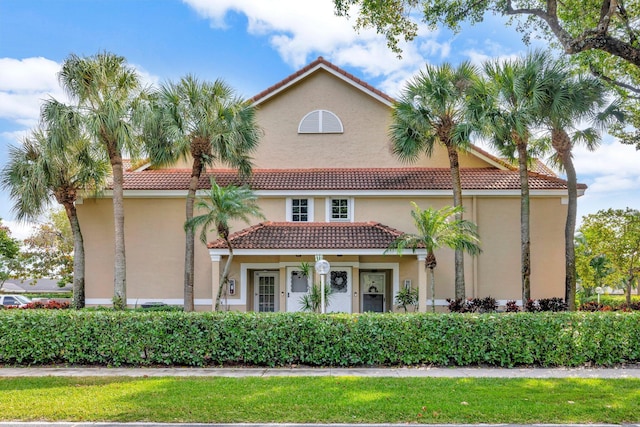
(320, 400)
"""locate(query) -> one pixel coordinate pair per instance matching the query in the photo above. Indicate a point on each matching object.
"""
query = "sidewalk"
(426, 372)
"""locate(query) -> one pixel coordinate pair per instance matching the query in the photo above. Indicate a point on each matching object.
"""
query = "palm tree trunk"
(189, 250)
(224, 277)
(525, 241)
(432, 278)
(78, 257)
(570, 231)
(460, 290)
(120, 268)
(431, 263)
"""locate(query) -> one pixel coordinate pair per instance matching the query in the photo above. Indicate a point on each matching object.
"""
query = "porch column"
(422, 284)
(215, 279)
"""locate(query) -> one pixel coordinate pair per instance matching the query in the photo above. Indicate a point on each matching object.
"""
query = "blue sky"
(251, 44)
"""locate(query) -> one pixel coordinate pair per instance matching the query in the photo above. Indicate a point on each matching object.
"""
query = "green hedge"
(34, 337)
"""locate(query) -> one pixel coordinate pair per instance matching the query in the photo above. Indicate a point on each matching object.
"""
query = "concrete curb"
(425, 372)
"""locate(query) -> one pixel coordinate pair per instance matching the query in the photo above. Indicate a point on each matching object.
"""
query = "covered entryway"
(269, 259)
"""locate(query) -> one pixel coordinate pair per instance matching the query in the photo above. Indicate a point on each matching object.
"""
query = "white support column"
(215, 279)
(422, 284)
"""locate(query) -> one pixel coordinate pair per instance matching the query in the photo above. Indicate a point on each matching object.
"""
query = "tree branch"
(618, 83)
(590, 39)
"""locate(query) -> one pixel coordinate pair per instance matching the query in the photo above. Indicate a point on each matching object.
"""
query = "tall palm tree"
(108, 94)
(210, 124)
(433, 109)
(510, 102)
(436, 229)
(39, 171)
(574, 100)
(222, 205)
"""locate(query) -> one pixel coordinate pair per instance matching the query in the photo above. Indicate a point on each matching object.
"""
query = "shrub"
(512, 307)
(615, 302)
(552, 304)
(473, 305)
(114, 338)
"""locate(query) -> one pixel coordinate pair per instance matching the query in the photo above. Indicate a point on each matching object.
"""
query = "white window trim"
(350, 207)
(289, 207)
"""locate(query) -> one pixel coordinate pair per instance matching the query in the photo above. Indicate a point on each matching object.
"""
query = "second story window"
(340, 209)
(300, 210)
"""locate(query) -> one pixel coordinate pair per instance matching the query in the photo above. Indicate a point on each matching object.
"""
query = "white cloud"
(19, 230)
(297, 30)
(24, 84)
(613, 166)
(28, 75)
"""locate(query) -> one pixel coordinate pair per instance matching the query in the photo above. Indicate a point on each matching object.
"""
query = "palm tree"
(433, 108)
(108, 94)
(38, 171)
(436, 229)
(573, 100)
(510, 104)
(222, 205)
(207, 122)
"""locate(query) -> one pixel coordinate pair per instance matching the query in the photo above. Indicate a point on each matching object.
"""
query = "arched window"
(320, 121)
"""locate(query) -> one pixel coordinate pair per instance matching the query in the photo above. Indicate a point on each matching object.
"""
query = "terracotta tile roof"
(311, 235)
(369, 179)
(320, 61)
(539, 167)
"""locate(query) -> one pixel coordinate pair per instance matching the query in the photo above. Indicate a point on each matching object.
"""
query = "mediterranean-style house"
(328, 184)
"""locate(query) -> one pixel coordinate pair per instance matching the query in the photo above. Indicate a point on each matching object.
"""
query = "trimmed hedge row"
(33, 337)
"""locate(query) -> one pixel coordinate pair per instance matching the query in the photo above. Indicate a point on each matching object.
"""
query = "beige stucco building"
(328, 184)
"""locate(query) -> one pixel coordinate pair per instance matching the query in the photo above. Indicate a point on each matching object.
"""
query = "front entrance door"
(298, 285)
(265, 285)
(339, 281)
(372, 290)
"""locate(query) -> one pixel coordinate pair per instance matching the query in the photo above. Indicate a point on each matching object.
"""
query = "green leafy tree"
(55, 162)
(615, 233)
(49, 251)
(437, 229)
(572, 102)
(221, 206)
(208, 123)
(433, 109)
(600, 35)
(510, 104)
(109, 100)
(9, 254)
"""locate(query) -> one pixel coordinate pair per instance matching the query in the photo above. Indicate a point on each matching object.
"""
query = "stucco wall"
(363, 144)
(155, 246)
(154, 240)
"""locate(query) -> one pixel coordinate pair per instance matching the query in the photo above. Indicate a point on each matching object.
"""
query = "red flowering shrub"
(50, 305)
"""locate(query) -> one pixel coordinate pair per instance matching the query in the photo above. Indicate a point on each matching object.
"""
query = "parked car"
(14, 300)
